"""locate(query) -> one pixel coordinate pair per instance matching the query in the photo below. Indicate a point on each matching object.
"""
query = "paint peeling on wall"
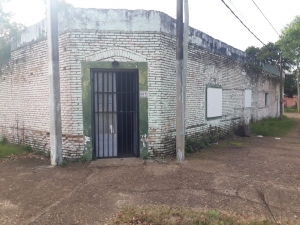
(144, 140)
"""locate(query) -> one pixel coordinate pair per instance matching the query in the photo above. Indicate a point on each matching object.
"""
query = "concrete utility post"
(180, 129)
(280, 92)
(185, 47)
(298, 86)
(54, 80)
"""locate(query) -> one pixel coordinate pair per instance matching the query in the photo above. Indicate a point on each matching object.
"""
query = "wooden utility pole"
(280, 92)
(180, 129)
(54, 81)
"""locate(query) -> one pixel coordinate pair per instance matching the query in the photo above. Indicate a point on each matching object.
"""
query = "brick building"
(290, 102)
(118, 83)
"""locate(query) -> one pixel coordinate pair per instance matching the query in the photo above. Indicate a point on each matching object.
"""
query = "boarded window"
(248, 98)
(214, 102)
(266, 99)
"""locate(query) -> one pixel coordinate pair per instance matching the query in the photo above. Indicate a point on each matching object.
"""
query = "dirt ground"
(234, 176)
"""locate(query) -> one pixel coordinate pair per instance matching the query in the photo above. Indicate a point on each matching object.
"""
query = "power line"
(265, 17)
(239, 12)
(243, 23)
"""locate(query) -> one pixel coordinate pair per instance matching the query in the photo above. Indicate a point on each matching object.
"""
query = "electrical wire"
(239, 12)
(243, 23)
(265, 18)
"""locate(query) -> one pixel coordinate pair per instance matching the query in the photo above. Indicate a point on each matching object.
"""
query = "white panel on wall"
(248, 98)
(214, 102)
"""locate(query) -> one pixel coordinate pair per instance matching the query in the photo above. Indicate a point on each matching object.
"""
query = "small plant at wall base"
(3, 140)
(27, 148)
(144, 154)
(48, 154)
(7, 149)
(64, 164)
(194, 144)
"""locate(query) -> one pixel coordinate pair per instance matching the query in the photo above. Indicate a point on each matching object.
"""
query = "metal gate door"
(115, 113)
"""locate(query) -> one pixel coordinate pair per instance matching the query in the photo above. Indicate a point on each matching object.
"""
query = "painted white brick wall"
(205, 68)
(24, 98)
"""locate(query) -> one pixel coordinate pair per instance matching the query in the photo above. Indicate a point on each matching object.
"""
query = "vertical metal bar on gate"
(102, 111)
(112, 116)
(97, 113)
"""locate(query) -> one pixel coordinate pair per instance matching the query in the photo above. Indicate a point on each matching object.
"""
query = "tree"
(269, 54)
(7, 30)
(290, 44)
(252, 53)
(290, 85)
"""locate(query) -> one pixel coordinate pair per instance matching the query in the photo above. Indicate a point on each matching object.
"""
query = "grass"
(165, 215)
(237, 144)
(290, 110)
(7, 149)
(273, 127)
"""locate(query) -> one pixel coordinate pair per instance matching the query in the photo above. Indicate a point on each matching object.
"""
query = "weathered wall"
(24, 98)
(205, 67)
(122, 35)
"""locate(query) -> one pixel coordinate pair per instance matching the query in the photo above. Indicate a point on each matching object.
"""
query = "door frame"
(87, 114)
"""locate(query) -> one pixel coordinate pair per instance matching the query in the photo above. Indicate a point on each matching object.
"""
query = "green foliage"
(290, 109)
(194, 144)
(48, 154)
(144, 154)
(64, 164)
(273, 127)
(252, 53)
(290, 40)
(8, 29)
(9, 149)
(290, 85)
(237, 144)
(213, 214)
(3, 140)
(252, 67)
(27, 148)
(86, 157)
(269, 54)
(165, 215)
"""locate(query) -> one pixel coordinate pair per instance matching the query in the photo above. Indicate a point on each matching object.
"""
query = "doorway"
(115, 113)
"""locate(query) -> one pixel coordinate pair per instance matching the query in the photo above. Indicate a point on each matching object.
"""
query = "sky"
(209, 16)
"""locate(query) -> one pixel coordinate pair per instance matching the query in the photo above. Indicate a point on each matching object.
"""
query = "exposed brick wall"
(24, 98)
(24, 86)
(205, 68)
(290, 102)
(121, 46)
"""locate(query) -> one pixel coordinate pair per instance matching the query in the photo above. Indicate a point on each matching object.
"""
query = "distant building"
(290, 102)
